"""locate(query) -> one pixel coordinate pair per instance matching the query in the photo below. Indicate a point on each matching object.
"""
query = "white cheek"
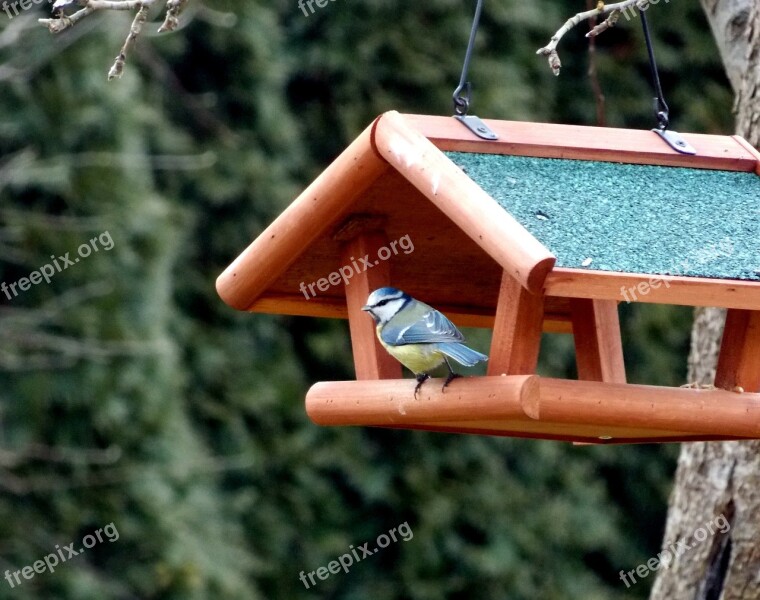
(383, 313)
(388, 310)
(391, 309)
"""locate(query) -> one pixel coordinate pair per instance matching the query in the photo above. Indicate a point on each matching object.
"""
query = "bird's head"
(384, 303)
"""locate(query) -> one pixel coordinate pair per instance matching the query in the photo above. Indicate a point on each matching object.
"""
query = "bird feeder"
(545, 229)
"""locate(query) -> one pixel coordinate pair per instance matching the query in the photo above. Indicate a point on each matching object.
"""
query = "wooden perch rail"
(392, 402)
(533, 406)
(699, 411)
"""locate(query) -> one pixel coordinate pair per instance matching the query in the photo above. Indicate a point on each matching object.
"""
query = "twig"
(63, 21)
(117, 70)
(174, 9)
(593, 74)
(614, 10)
(610, 21)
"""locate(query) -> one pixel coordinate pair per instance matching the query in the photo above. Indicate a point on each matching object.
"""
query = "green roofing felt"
(629, 218)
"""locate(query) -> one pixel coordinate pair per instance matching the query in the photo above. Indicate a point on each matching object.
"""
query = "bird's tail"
(461, 353)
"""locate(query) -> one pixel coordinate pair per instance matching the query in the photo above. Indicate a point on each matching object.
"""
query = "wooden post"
(371, 361)
(739, 361)
(598, 347)
(517, 329)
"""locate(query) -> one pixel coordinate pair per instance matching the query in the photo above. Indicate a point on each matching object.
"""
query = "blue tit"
(417, 335)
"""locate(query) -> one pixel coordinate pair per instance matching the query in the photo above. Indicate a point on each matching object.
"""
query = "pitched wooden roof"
(397, 176)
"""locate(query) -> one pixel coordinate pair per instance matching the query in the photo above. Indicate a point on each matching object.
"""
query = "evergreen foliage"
(131, 395)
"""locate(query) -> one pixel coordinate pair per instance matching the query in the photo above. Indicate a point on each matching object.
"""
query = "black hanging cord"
(461, 96)
(661, 111)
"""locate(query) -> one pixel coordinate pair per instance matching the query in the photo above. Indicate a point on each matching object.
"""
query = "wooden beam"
(318, 207)
(664, 439)
(739, 360)
(749, 148)
(697, 411)
(333, 307)
(371, 361)
(393, 402)
(517, 329)
(550, 140)
(658, 289)
(585, 436)
(463, 201)
(598, 347)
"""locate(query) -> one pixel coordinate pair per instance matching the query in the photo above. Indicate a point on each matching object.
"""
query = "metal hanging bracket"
(675, 141)
(477, 126)
(461, 96)
(661, 111)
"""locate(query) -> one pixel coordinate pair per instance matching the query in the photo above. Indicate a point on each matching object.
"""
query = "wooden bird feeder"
(546, 229)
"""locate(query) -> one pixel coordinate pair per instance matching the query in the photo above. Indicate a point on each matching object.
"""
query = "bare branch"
(604, 25)
(64, 21)
(614, 10)
(118, 4)
(117, 70)
(593, 74)
(174, 9)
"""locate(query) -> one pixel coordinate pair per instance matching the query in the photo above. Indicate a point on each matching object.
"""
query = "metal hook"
(661, 110)
(461, 95)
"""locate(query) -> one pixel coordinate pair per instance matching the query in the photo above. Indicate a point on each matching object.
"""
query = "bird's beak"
(366, 308)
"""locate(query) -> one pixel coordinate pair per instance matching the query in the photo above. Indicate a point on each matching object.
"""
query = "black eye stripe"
(385, 301)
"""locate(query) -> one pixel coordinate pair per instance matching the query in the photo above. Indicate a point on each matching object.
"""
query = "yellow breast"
(418, 358)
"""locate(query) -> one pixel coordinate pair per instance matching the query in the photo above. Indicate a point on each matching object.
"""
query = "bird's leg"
(421, 378)
(451, 375)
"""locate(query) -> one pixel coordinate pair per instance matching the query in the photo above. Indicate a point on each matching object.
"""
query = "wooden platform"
(536, 407)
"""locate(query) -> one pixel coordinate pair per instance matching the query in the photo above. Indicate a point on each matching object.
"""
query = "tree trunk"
(715, 505)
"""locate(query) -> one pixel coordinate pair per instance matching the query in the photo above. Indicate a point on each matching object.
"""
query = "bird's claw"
(421, 378)
(449, 379)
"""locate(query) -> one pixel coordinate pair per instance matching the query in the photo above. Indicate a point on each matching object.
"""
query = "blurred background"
(130, 394)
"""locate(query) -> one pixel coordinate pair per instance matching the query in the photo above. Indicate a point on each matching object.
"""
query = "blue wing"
(462, 354)
(429, 328)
